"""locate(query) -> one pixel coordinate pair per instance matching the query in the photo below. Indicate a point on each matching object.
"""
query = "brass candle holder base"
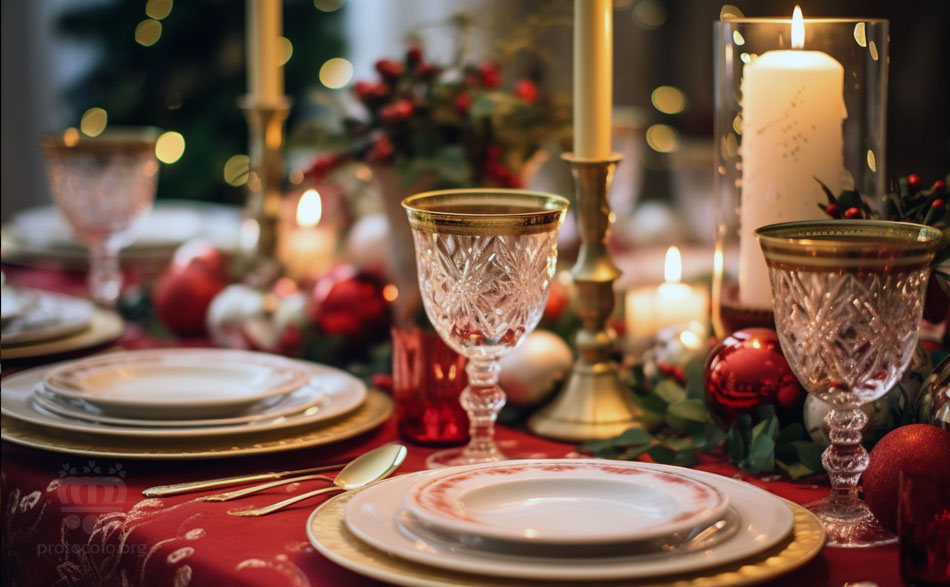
(593, 403)
(265, 178)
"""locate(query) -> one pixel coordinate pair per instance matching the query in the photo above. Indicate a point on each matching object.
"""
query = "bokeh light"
(649, 14)
(663, 138)
(71, 136)
(328, 5)
(169, 147)
(158, 9)
(728, 11)
(336, 73)
(236, 169)
(668, 100)
(286, 50)
(93, 122)
(148, 32)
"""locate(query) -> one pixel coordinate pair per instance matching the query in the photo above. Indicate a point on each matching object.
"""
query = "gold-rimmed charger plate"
(104, 327)
(330, 536)
(377, 408)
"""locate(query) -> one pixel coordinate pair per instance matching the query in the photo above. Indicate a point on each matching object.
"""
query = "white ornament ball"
(367, 244)
(229, 311)
(532, 371)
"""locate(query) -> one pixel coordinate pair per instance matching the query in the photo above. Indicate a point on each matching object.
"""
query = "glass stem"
(105, 277)
(845, 459)
(482, 399)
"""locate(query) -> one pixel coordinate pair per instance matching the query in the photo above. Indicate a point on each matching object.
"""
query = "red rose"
(389, 70)
(527, 91)
(369, 92)
(397, 111)
(463, 101)
(491, 78)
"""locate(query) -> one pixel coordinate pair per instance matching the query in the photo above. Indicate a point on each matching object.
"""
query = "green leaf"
(632, 436)
(795, 431)
(653, 403)
(828, 194)
(662, 454)
(809, 454)
(596, 445)
(483, 106)
(735, 444)
(689, 409)
(795, 470)
(686, 458)
(761, 454)
(695, 372)
(634, 452)
(670, 391)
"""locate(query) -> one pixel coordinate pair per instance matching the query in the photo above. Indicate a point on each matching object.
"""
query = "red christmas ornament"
(182, 297)
(747, 369)
(491, 77)
(527, 91)
(350, 303)
(918, 449)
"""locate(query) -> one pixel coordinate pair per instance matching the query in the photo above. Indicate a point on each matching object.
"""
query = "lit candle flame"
(309, 209)
(673, 267)
(798, 28)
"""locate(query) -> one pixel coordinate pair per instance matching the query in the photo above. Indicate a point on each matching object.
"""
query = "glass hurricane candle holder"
(104, 186)
(848, 298)
(486, 259)
(795, 103)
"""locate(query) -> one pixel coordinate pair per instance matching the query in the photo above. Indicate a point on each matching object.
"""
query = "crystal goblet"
(485, 260)
(103, 186)
(847, 298)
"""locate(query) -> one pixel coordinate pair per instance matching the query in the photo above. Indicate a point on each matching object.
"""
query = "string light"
(148, 32)
(336, 73)
(663, 138)
(158, 9)
(169, 147)
(668, 100)
(93, 122)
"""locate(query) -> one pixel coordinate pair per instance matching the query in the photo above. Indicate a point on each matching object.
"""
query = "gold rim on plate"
(377, 408)
(104, 327)
(488, 211)
(330, 536)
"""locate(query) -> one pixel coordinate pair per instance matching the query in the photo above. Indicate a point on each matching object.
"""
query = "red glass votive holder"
(428, 378)
(923, 527)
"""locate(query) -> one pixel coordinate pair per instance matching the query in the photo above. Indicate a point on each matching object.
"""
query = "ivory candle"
(593, 77)
(792, 115)
(265, 77)
(306, 249)
(651, 309)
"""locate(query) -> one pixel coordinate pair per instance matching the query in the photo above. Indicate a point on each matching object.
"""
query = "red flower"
(527, 91)
(381, 151)
(321, 167)
(397, 111)
(389, 69)
(491, 78)
(463, 101)
(426, 70)
(414, 54)
(369, 92)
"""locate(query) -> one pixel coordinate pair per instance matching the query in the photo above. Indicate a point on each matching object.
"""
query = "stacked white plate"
(36, 323)
(555, 520)
(180, 393)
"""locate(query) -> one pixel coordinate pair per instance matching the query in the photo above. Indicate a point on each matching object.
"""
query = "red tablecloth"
(57, 530)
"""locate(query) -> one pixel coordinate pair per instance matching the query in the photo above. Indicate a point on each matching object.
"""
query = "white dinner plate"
(372, 516)
(565, 502)
(307, 397)
(42, 315)
(344, 393)
(105, 327)
(176, 383)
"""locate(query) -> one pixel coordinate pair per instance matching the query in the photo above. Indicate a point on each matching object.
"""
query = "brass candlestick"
(262, 207)
(593, 403)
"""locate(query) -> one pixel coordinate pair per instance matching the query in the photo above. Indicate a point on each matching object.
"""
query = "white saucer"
(303, 399)
(565, 502)
(372, 515)
(344, 393)
(176, 383)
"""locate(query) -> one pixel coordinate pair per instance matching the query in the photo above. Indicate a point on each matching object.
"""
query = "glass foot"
(505, 450)
(856, 527)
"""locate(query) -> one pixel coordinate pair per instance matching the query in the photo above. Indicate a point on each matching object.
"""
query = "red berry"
(381, 151)
(389, 69)
(913, 180)
(397, 111)
(939, 186)
(833, 210)
(853, 213)
(527, 91)
(426, 70)
(414, 54)
(370, 91)
(463, 102)
(939, 205)
(491, 78)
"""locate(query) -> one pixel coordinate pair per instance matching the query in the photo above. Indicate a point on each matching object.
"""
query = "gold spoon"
(377, 464)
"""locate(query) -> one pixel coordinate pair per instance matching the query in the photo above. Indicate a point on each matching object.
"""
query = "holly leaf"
(735, 444)
(633, 435)
(761, 454)
(694, 373)
(795, 431)
(670, 391)
(688, 409)
(809, 454)
(662, 454)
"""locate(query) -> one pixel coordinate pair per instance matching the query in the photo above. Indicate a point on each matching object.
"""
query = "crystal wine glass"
(103, 186)
(485, 260)
(847, 298)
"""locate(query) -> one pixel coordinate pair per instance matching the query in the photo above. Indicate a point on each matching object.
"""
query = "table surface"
(56, 530)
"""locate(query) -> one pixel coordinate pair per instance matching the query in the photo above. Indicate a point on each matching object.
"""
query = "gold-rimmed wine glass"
(485, 260)
(847, 298)
(103, 186)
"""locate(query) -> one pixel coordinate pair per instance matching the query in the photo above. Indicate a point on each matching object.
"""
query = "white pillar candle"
(792, 115)
(265, 76)
(306, 248)
(593, 77)
(651, 309)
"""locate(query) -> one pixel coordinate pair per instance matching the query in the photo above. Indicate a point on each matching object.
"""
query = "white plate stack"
(560, 520)
(182, 393)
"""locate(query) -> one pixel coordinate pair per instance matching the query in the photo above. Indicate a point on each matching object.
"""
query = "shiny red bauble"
(747, 369)
(917, 449)
(182, 297)
(351, 303)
